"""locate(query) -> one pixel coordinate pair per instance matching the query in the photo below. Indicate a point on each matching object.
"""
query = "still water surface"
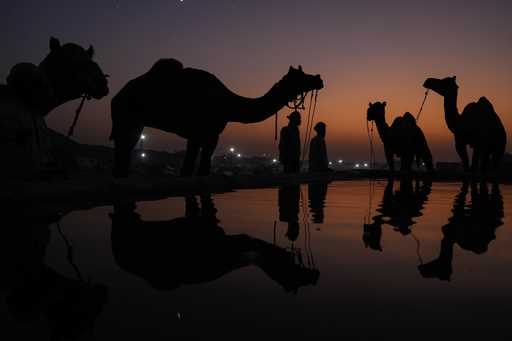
(347, 258)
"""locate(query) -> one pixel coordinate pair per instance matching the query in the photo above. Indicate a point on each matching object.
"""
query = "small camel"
(404, 138)
(195, 105)
(479, 126)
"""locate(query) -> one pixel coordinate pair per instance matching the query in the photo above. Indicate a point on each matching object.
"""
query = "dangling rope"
(77, 114)
(371, 191)
(69, 253)
(275, 129)
(370, 141)
(417, 247)
(307, 232)
(309, 125)
(422, 104)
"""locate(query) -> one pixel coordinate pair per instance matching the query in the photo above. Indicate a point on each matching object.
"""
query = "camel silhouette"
(34, 291)
(472, 227)
(398, 209)
(403, 138)
(478, 126)
(194, 249)
(68, 72)
(32, 92)
(195, 105)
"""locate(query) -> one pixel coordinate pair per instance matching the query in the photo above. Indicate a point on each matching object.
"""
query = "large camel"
(473, 227)
(478, 126)
(195, 105)
(32, 92)
(194, 249)
(404, 138)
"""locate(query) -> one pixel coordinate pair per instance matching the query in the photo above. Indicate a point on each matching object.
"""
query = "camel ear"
(384, 103)
(291, 69)
(300, 67)
(90, 51)
(454, 78)
(369, 104)
(54, 43)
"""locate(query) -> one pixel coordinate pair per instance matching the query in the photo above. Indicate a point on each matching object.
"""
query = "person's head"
(295, 118)
(320, 128)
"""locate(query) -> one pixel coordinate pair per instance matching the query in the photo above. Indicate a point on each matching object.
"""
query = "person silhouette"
(289, 144)
(318, 159)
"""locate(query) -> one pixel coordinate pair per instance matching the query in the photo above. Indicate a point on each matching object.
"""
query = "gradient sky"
(365, 51)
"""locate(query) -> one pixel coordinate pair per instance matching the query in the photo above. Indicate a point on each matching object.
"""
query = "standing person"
(318, 160)
(289, 144)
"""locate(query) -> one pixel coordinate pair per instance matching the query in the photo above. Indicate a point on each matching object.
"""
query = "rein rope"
(422, 104)
(77, 115)
(369, 131)
(309, 125)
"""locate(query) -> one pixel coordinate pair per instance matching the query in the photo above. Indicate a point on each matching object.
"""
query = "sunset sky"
(364, 50)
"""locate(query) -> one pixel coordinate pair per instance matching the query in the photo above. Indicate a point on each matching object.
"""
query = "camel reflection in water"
(472, 227)
(397, 209)
(195, 249)
(36, 292)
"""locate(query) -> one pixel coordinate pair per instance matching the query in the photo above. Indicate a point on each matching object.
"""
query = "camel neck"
(61, 92)
(451, 112)
(382, 127)
(253, 110)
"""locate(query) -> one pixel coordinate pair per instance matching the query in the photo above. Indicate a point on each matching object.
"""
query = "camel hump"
(165, 67)
(485, 105)
(409, 119)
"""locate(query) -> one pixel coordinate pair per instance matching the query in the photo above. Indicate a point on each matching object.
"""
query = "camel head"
(296, 82)
(375, 111)
(72, 71)
(444, 87)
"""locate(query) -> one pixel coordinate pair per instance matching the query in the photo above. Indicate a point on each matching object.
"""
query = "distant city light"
(366, 165)
(274, 160)
(357, 165)
(232, 150)
(142, 137)
(330, 162)
(238, 155)
(340, 161)
(143, 155)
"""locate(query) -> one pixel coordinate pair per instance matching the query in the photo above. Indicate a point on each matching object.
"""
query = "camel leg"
(190, 157)
(497, 155)
(460, 147)
(427, 158)
(124, 142)
(485, 155)
(406, 162)
(475, 162)
(206, 156)
(389, 159)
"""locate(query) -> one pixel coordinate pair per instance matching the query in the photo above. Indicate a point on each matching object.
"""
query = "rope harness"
(77, 114)
(309, 125)
(422, 104)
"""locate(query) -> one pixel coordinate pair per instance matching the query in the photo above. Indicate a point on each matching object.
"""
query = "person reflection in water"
(195, 249)
(472, 227)
(289, 207)
(35, 291)
(397, 209)
(317, 192)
